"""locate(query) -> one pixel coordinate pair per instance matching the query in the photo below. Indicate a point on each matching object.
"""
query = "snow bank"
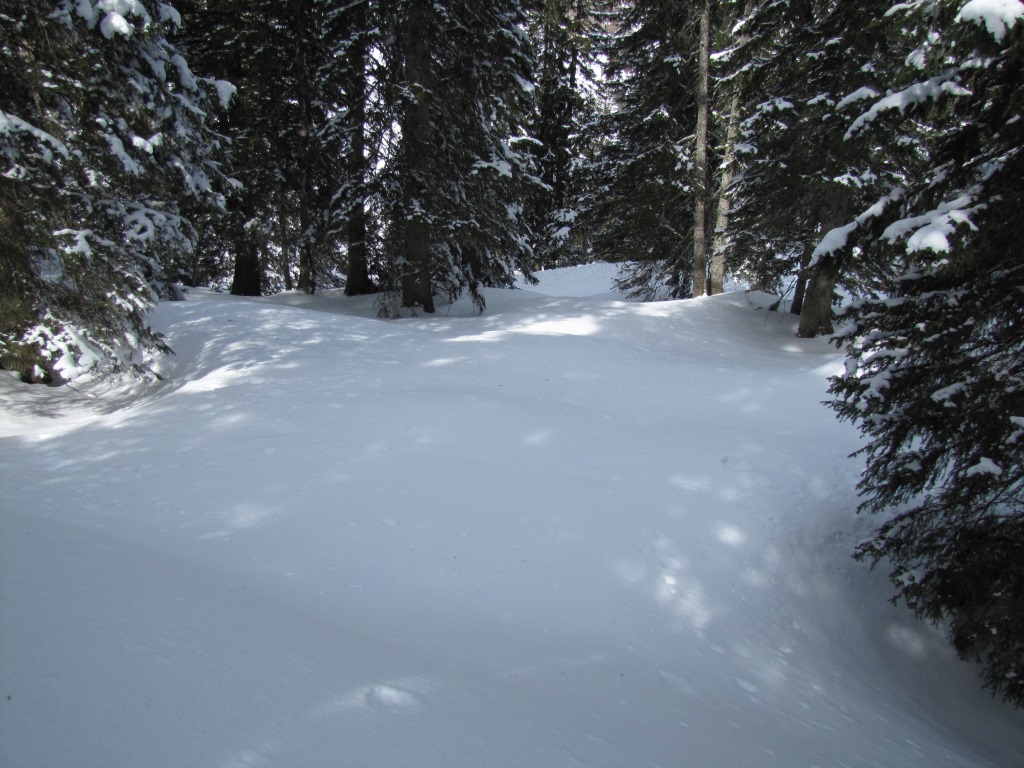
(571, 531)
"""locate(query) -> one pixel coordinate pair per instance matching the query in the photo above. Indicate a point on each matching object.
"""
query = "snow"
(859, 95)
(931, 231)
(169, 13)
(225, 92)
(985, 466)
(115, 24)
(998, 16)
(573, 530)
(914, 94)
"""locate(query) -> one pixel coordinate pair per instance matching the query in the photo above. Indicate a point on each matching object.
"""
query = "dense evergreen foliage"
(423, 149)
(105, 151)
(936, 370)
(459, 177)
(646, 203)
(569, 36)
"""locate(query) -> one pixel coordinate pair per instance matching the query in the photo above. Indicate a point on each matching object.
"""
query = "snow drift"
(574, 530)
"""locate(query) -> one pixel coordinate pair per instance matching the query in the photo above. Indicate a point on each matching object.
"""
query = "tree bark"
(800, 288)
(417, 134)
(247, 277)
(718, 241)
(286, 242)
(700, 155)
(357, 275)
(816, 313)
(304, 76)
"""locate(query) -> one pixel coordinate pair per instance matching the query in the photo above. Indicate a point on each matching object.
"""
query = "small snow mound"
(388, 699)
(998, 16)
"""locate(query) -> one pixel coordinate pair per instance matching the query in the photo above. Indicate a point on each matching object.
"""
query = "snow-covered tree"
(935, 371)
(458, 180)
(800, 177)
(567, 35)
(646, 205)
(104, 147)
(671, 139)
(353, 34)
(300, 124)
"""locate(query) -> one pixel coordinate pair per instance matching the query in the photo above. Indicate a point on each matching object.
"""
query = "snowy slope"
(571, 531)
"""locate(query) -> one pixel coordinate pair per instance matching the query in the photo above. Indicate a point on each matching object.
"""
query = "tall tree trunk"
(816, 312)
(417, 134)
(248, 276)
(800, 289)
(357, 280)
(718, 241)
(303, 15)
(732, 132)
(286, 242)
(700, 155)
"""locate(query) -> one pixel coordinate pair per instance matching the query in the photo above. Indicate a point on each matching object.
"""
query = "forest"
(863, 162)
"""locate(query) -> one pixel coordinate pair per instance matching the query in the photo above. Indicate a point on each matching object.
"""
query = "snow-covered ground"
(573, 531)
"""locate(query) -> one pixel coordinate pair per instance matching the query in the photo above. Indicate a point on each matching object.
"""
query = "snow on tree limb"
(915, 94)
(998, 16)
(930, 231)
(836, 239)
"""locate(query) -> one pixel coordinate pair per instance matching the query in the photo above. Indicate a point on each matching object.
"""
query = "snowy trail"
(572, 531)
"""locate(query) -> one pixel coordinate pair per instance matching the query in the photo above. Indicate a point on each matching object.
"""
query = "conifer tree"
(105, 146)
(457, 182)
(352, 32)
(291, 62)
(809, 63)
(646, 207)
(935, 370)
(567, 35)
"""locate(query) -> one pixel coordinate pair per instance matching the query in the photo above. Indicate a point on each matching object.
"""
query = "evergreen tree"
(291, 62)
(935, 370)
(105, 146)
(353, 33)
(809, 62)
(458, 179)
(567, 35)
(731, 85)
(646, 206)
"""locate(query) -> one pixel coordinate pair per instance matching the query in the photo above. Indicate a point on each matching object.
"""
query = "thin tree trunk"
(816, 314)
(700, 156)
(801, 281)
(719, 240)
(248, 276)
(286, 243)
(416, 131)
(304, 76)
(357, 280)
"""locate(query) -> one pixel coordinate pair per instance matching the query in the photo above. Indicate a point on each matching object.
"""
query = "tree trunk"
(800, 288)
(248, 276)
(700, 156)
(732, 132)
(246, 281)
(816, 313)
(417, 134)
(304, 93)
(286, 243)
(718, 242)
(357, 275)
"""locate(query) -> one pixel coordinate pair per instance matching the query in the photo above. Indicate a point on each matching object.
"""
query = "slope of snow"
(571, 531)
